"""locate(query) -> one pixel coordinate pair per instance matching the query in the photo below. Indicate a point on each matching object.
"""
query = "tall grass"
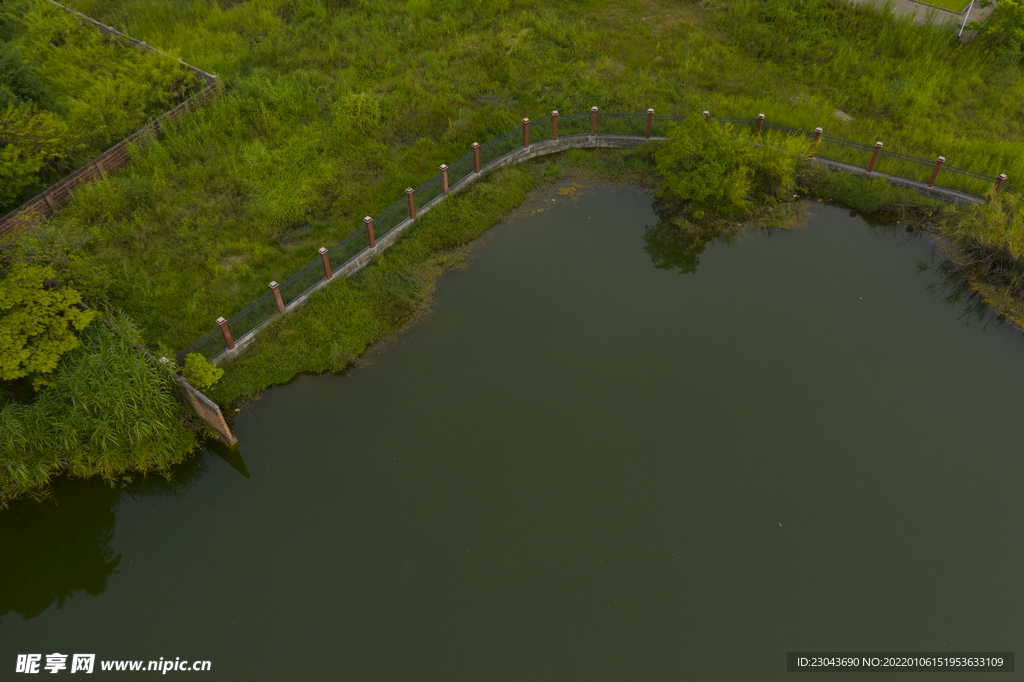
(333, 108)
(110, 412)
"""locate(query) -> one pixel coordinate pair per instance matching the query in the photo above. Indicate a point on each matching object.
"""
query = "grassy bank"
(333, 108)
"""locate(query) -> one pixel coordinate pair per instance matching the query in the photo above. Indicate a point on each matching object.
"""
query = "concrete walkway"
(920, 11)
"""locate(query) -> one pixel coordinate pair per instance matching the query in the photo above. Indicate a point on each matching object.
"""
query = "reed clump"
(109, 412)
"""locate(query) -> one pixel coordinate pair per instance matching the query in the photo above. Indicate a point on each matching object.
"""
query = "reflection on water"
(56, 548)
(582, 466)
(672, 247)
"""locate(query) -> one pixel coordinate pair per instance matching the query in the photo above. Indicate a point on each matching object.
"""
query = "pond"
(608, 452)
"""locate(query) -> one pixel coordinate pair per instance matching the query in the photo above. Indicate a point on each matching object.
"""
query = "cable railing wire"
(895, 164)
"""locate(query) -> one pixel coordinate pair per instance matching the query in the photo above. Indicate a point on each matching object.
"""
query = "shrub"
(37, 322)
(707, 168)
(703, 164)
(200, 373)
(1004, 30)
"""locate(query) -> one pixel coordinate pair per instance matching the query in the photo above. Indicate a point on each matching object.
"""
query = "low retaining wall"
(205, 409)
(543, 148)
(949, 195)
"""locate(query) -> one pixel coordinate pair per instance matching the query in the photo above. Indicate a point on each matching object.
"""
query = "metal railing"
(856, 154)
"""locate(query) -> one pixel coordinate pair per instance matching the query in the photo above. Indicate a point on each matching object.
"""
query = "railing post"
(874, 157)
(650, 118)
(412, 203)
(327, 262)
(760, 120)
(276, 288)
(226, 332)
(935, 173)
(1000, 179)
(444, 179)
(706, 114)
(554, 125)
(526, 133)
(369, 231)
(817, 137)
(476, 157)
(593, 121)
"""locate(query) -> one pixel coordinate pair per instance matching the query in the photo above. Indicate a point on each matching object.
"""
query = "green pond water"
(607, 453)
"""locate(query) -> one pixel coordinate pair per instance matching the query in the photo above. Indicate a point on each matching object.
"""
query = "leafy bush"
(109, 412)
(29, 139)
(708, 169)
(37, 322)
(1004, 30)
(200, 373)
(703, 165)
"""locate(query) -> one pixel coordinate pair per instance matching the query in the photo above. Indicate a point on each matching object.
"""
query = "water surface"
(608, 453)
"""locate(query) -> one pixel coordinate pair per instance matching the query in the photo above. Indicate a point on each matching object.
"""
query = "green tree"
(38, 321)
(1004, 30)
(703, 165)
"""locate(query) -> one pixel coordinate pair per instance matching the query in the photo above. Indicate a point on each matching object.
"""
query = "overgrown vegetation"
(200, 373)
(67, 93)
(334, 108)
(109, 412)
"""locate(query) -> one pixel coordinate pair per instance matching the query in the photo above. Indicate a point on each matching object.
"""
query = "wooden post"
(1000, 179)
(526, 133)
(874, 157)
(276, 288)
(444, 179)
(476, 157)
(706, 115)
(226, 332)
(412, 203)
(817, 137)
(760, 120)
(327, 262)
(593, 121)
(935, 173)
(650, 119)
(369, 231)
(554, 125)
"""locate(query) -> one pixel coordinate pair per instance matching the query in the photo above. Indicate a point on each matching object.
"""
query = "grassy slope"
(334, 108)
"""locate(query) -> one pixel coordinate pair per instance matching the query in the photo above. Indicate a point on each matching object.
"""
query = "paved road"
(920, 11)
